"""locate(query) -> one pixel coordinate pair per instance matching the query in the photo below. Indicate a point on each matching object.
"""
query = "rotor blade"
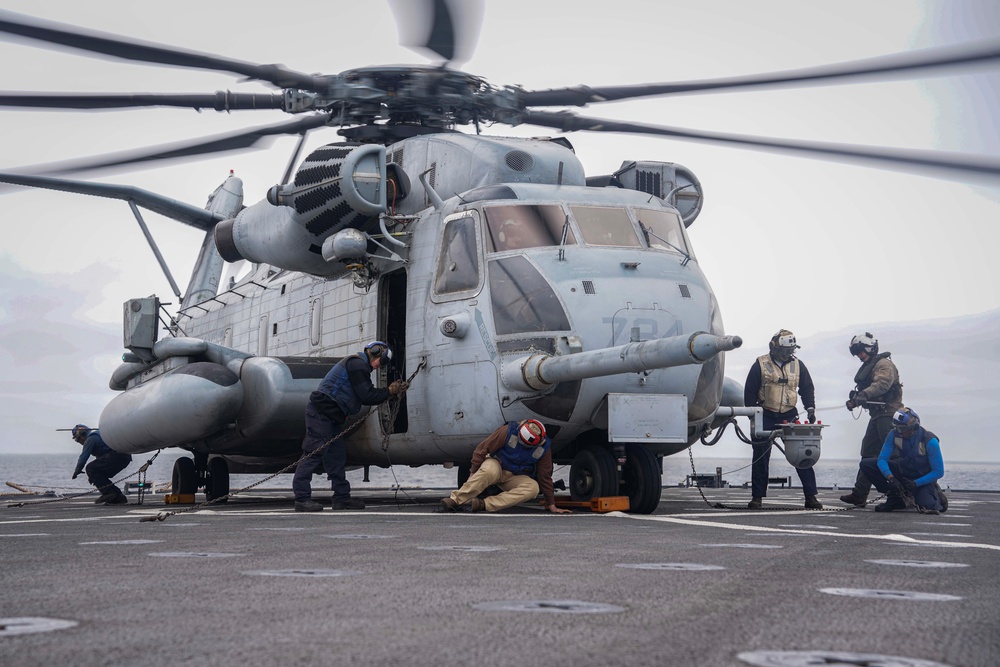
(448, 28)
(442, 38)
(218, 144)
(220, 101)
(171, 208)
(947, 164)
(119, 47)
(881, 68)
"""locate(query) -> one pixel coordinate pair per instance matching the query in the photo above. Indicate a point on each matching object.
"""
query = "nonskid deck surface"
(253, 582)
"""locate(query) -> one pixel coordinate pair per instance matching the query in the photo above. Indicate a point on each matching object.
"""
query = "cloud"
(54, 360)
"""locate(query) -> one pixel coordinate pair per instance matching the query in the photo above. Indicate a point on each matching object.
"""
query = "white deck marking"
(890, 537)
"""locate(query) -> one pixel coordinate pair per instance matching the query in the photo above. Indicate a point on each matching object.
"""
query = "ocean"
(52, 472)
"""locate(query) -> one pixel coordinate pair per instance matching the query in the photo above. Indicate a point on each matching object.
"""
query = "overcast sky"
(857, 245)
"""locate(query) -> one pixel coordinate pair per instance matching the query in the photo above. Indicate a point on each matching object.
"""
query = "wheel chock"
(602, 504)
(179, 499)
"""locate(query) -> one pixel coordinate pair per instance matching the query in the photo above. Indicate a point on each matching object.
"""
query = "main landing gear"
(191, 474)
(595, 473)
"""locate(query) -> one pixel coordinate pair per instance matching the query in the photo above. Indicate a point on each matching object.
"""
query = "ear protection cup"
(377, 350)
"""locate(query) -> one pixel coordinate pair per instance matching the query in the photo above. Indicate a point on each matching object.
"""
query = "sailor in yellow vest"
(775, 382)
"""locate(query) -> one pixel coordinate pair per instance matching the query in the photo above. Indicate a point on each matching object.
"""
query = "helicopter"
(400, 233)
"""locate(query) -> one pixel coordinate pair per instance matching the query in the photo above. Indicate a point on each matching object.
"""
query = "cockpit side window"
(605, 226)
(458, 266)
(665, 230)
(517, 227)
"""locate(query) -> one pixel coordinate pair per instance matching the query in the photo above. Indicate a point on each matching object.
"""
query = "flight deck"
(252, 582)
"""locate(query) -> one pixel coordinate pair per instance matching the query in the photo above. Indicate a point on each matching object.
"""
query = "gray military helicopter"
(513, 283)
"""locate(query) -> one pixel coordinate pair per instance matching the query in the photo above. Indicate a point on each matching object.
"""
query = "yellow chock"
(601, 504)
(179, 499)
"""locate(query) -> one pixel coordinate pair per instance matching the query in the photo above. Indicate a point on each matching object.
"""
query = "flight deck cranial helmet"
(906, 422)
(864, 342)
(783, 345)
(80, 430)
(531, 432)
(378, 350)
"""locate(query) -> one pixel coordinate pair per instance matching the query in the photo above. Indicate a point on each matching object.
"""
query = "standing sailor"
(878, 389)
(775, 382)
(340, 395)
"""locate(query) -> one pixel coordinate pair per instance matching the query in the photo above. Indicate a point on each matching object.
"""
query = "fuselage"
(524, 259)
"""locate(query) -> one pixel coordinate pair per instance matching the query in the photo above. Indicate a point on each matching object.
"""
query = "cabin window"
(665, 230)
(522, 299)
(458, 268)
(605, 226)
(516, 227)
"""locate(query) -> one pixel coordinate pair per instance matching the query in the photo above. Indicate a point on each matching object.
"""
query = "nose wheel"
(592, 474)
(642, 480)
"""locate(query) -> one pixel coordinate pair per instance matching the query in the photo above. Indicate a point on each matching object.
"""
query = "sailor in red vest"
(517, 457)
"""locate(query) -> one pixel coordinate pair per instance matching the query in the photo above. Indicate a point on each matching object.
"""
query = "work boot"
(106, 498)
(474, 505)
(117, 499)
(943, 499)
(813, 504)
(308, 505)
(891, 503)
(348, 504)
(755, 503)
(448, 505)
(851, 499)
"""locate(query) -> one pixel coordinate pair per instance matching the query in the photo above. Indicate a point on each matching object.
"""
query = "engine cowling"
(337, 186)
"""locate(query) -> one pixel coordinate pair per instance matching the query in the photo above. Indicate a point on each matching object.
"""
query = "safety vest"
(518, 458)
(779, 385)
(337, 385)
(913, 461)
(892, 399)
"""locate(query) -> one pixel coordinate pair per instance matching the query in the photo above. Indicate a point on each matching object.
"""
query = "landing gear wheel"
(217, 481)
(185, 477)
(593, 474)
(641, 479)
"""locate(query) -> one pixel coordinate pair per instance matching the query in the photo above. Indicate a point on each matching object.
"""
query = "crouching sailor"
(911, 477)
(513, 457)
(106, 464)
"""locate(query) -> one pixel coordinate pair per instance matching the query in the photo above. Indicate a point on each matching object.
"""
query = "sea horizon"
(44, 472)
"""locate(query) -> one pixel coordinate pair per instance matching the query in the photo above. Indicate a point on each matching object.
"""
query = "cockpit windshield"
(605, 226)
(664, 230)
(522, 226)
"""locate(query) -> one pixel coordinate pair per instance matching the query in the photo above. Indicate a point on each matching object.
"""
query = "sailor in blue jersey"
(343, 391)
(106, 464)
(908, 467)
(513, 457)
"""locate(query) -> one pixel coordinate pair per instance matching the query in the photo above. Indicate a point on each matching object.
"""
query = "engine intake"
(338, 186)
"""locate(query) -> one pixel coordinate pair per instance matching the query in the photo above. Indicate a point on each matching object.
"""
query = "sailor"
(877, 389)
(908, 467)
(517, 457)
(341, 394)
(106, 464)
(775, 382)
